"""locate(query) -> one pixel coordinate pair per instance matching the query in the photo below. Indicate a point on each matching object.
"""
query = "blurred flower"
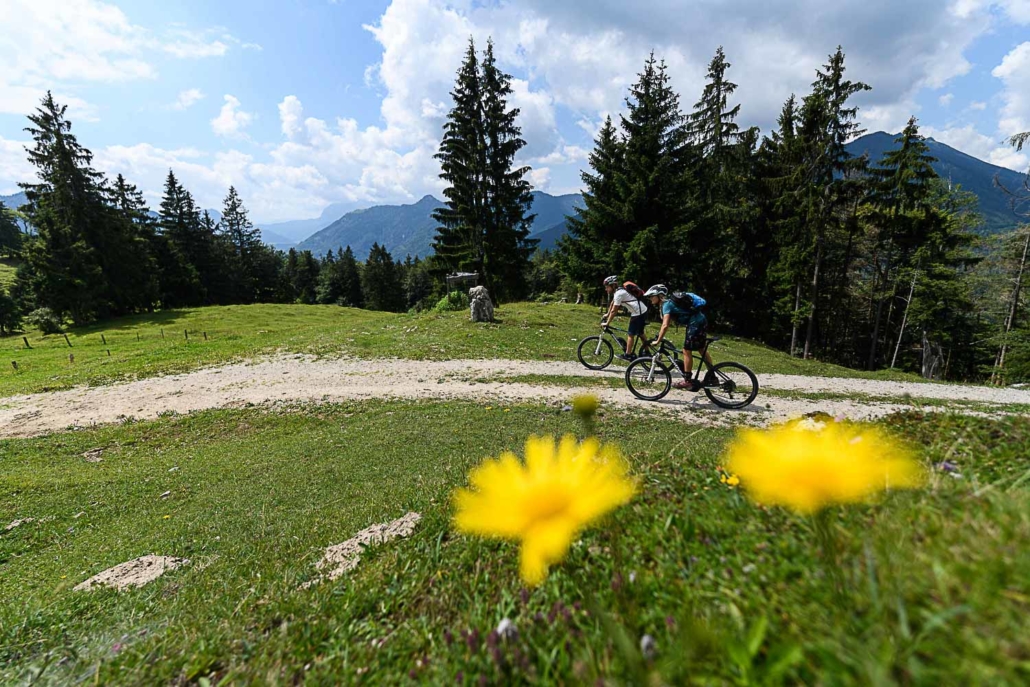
(729, 480)
(506, 630)
(808, 465)
(648, 647)
(545, 502)
(585, 405)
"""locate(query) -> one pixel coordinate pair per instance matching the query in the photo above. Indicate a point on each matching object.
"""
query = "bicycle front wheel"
(648, 380)
(595, 353)
(735, 386)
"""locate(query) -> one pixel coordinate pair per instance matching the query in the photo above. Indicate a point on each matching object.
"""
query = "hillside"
(409, 229)
(964, 170)
(297, 230)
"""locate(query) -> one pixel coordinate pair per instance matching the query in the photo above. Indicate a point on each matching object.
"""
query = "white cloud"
(1016, 10)
(978, 106)
(195, 48)
(1014, 71)
(231, 120)
(14, 165)
(972, 142)
(188, 99)
(945, 100)
(290, 111)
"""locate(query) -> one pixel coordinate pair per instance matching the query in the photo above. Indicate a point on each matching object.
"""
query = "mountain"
(409, 229)
(970, 173)
(13, 202)
(297, 230)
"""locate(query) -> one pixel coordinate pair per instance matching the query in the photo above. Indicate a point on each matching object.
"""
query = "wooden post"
(71, 357)
(186, 334)
(109, 353)
(205, 336)
(14, 364)
(102, 338)
(67, 341)
(26, 340)
(162, 333)
(137, 336)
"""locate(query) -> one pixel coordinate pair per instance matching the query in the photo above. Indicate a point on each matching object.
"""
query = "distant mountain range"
(972, 174)
(409, 229)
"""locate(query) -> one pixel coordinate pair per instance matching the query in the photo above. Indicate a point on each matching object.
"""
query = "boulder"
(481, 308)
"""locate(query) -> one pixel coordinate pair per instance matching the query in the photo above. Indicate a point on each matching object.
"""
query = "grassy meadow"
(936, 582)
(174, 341)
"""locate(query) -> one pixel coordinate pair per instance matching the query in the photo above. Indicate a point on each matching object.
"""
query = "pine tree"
(380, 283)
(418, 284)
(485, 221)
(902, 188)
(351, 292)
(654, 183)
(68, 211)
(179, 278)
(10, 234)
(140, 268)
(508, 245)
(460, 239)
(305, 279)
(245, 241)
(595, 240)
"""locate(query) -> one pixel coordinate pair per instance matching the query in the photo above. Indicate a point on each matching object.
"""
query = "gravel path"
(298, 378)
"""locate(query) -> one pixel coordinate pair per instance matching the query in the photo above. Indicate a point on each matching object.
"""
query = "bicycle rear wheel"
(736, 386)
(647, 379)
(595, 353)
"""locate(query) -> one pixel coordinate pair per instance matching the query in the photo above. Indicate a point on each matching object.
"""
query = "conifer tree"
(245, 242)
(380, 281)
(594, 243)
(351, 293)
(10, 234)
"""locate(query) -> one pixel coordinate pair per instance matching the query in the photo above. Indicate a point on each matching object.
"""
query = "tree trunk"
(1010, 321)
(815, 296)
(904, 318)
(794, 322)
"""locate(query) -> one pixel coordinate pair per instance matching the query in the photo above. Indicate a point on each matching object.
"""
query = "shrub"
(452, 302)
(44, 319)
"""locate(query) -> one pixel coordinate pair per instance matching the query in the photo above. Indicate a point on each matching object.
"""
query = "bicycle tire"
(598, 361)
(721, 370)
(639, 370)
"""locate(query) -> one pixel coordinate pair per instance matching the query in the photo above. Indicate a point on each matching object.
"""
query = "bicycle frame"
(669, 351)
(609, 329)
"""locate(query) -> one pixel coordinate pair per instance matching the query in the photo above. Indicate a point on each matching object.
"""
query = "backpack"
(688, 302)
(634, 290)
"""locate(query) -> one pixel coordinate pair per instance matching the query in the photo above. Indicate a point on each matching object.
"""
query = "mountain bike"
(597, 352)
(727, 385)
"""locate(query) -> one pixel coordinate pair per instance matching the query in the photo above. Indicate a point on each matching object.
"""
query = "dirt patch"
(134, 573)
(18, 523)
(299, 378)
(344, 557)
(93, 455)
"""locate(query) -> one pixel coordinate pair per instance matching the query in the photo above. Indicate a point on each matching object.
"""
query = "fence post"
(205, 336)
(14, 363)
(71, 357)
(162, 333)
(109, 353)
(102, 338)
(137, 336)
(67, 341)
(26, 340)
(186, 334)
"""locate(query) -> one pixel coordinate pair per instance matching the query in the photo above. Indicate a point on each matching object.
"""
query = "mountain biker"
(635, 306)
(697, 331)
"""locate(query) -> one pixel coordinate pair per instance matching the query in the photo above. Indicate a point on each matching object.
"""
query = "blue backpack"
(687, 302)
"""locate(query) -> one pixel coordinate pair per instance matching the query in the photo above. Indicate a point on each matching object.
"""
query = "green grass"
(525, 331)
(8, 269)
(937, 582)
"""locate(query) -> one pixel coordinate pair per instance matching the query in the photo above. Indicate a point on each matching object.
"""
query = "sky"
(303, 103)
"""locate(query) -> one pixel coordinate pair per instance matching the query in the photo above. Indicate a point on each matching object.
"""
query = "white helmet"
(658, 290)
(611, 281)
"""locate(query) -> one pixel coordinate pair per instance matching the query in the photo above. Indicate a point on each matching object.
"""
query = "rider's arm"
(611, 310)
(665, 325)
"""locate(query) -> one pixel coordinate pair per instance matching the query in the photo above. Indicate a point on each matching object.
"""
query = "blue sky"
(302, 103)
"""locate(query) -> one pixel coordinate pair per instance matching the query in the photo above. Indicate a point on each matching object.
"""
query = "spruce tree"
(305, 278)
(10, 234)
(380, 281)
(245, 241)
(68, 211)
(594, 244)
(179, 278)
(351, 293)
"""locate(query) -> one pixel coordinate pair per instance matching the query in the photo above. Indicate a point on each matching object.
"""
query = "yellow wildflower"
(545, 502)
(585, 405)
(732, 481)
(807, 466)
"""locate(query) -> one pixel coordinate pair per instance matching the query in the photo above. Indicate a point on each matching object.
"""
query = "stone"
(481, 308)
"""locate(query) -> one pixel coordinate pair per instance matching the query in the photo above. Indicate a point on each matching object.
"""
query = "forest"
(793, 241)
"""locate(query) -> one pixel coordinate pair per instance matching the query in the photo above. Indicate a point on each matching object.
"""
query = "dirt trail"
(299, 378)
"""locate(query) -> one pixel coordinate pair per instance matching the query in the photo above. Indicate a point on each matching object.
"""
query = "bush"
(452, 302)
(10, 315)
(44, 319)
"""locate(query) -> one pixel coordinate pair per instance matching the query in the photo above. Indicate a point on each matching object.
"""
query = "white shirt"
(629, 302)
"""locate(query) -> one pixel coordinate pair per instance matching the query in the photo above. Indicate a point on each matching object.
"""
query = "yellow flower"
(585, 405)
(807, 466)
(732, 481)
(546, 502)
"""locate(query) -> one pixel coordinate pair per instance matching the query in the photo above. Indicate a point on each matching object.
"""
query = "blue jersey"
(681, 316)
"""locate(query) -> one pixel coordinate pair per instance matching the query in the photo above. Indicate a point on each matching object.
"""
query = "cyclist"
(697, 331)
(635, 306)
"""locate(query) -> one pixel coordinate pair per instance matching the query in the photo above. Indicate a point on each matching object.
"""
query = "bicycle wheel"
(647, 379)
(737, 386)
(595, 353)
